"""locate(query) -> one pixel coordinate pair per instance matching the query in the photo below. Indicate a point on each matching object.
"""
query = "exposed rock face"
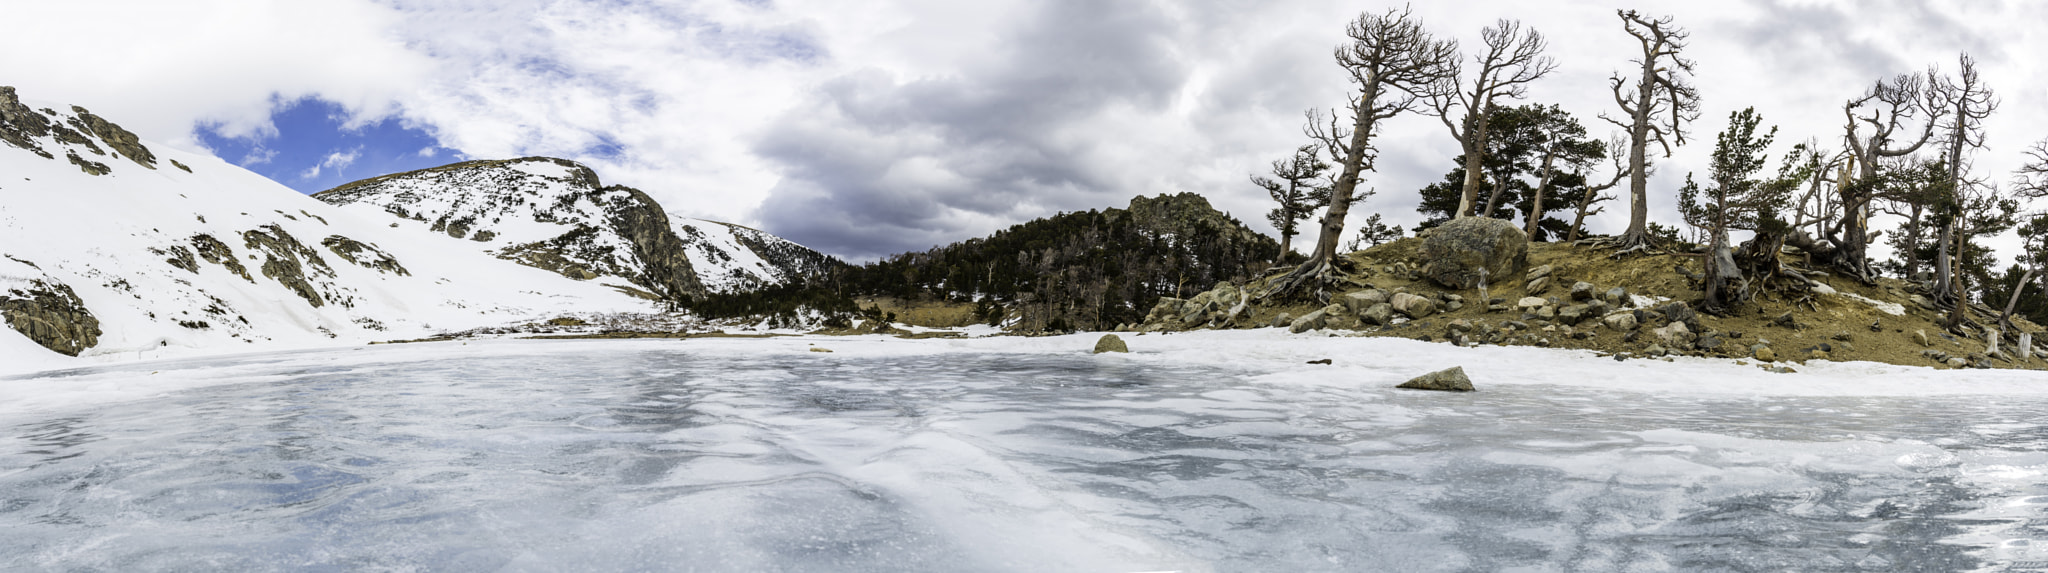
(289, 262)
(1454, 254)
(364, 255)
(39, 130)
(1110, 343)
(44, 310)
(120, 140)
(1450, 380)
(589, 231)
(21, 126)
(214, 251)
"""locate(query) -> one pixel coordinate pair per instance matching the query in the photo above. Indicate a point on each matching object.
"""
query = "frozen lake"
(749, 455)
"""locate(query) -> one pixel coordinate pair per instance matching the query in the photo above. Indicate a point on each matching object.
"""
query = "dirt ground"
(1850, 329)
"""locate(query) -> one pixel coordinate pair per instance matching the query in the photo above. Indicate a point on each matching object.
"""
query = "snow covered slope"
(555, 214)
(542, 212)
(733, 258)
(110, 245)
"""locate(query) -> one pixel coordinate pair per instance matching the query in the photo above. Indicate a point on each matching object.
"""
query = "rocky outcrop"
(642, 222)
(214, 251)
(1461, 253)
(45, 310)
(21, 126)
(32, 129)
(364, 255)
(122, 141)
(288, 262)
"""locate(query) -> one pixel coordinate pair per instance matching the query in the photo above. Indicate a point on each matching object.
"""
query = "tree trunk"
(1913, 229)
(1320, 261)
(1957, 281)
(1493, 200)
(1468, 198)
(1638, 233)
(1721, 274)
(1542, 183)
(1286, 246)
(1579, 220)
(2005, 318)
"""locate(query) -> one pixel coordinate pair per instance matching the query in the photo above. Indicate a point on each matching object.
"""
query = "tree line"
(1907, 148)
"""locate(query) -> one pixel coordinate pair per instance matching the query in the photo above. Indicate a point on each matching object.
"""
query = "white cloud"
(334, 160)
(876, 126)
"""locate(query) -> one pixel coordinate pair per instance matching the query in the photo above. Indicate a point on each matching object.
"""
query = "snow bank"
(1267, 356)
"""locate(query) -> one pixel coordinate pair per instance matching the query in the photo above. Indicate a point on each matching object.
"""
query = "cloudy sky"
(874, 127)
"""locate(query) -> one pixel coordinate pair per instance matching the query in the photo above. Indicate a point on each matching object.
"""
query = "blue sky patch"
(313, 150)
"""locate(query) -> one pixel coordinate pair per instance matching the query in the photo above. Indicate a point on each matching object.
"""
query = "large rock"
(1108, 343)
(1358, 301)
(1454, 253)
(1621, 321)
(1308, 322)
(1676, 335)
(1451, 380)
(1379, 314)
(1413, 306)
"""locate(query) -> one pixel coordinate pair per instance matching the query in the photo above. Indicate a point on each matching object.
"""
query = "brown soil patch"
(1844, 324)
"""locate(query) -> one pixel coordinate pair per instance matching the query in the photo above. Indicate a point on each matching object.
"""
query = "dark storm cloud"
(878, 164)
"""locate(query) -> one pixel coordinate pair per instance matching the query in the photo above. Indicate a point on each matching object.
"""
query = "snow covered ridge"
(115, 247)
(733, 258)
(546, 213)
(555, 214)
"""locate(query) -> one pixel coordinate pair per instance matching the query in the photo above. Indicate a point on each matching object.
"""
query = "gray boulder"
(1357, 302)
(1379, 314)
(1451, 380)
(1413, 306)
(1454, 253)
(1621, 321)
(1582, 291)
(1308, 322)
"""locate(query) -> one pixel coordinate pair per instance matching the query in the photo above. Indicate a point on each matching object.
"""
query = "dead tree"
(1392, 62)
(2031, 180)
(1512, 60)
(1296, 191)
(1886, 108)
(1969, 103)
(1657, 105)
(1593, 196)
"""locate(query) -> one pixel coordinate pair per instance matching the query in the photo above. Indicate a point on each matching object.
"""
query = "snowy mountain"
(555, 214)
(110, 244)
(733, 258)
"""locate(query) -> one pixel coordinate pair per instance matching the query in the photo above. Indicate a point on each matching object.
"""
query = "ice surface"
(1197, 452)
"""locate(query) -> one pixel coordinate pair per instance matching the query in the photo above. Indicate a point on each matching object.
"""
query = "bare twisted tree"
(1658, 104)
(1513, 58)
(1393, 62)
